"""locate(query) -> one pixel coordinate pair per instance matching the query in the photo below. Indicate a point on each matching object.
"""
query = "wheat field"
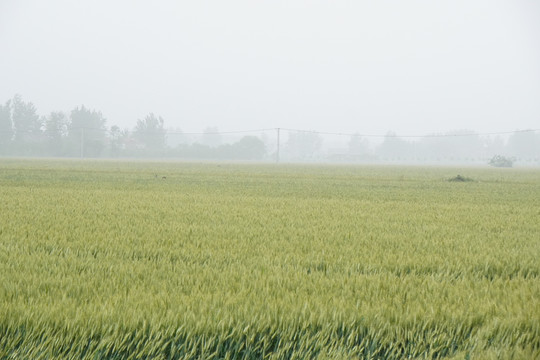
(165, 260)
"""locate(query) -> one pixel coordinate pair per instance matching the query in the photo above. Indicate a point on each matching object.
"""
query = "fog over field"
(269, 179)
(414, 67)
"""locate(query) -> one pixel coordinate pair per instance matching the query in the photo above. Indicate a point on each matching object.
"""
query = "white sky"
(413, 66)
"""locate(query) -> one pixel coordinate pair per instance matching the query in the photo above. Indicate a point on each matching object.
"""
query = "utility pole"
(82, 143)
(277, 151)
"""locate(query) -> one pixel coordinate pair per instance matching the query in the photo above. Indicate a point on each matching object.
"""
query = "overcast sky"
(413, 66)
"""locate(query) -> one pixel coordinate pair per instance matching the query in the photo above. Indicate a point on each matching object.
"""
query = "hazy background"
(412, 67)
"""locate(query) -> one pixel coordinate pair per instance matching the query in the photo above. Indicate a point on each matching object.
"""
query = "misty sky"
(413, 67)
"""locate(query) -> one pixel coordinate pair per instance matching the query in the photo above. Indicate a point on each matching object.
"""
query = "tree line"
(83, 132)
(462, 146)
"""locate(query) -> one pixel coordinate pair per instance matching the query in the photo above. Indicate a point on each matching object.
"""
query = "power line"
(411, 136)
(219, 132)
(290, 130)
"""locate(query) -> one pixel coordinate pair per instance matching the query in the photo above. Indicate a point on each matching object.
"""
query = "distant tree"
(465, 144)
(6, 126)
(455, 145)
(493, 146)
(56, 125)
(117, 140)
(27, 125)
(150, 132)
(175, 137)
(86, 132)
(197, 151)
(211, 137)
(524, 145)
(501, 161)
(114, 138)
(303, 145)
(248, 148)
(395, 148)
(358, 145)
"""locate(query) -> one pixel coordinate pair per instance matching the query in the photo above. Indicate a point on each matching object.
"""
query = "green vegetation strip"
(131, 260)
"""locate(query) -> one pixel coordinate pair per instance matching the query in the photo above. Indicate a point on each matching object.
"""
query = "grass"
(111, 260)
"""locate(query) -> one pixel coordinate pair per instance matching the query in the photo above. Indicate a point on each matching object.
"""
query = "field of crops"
(132, 260)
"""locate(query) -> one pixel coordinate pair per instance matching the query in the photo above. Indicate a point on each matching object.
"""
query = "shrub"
(501, 161)
(460, 178)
